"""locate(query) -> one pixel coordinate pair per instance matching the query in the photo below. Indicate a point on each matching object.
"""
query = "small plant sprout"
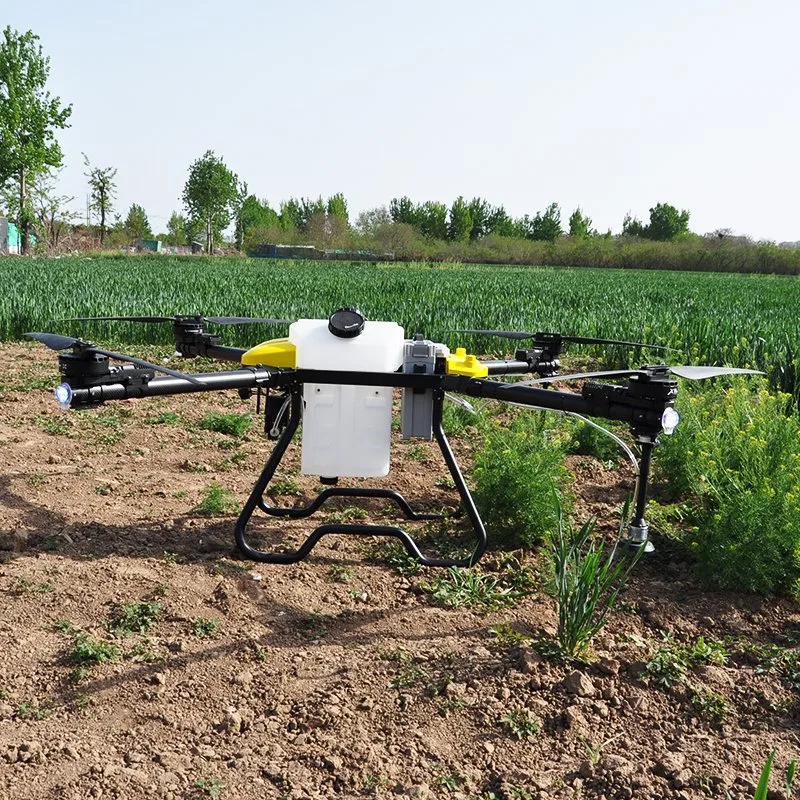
(762, 790)
(203, 626)
(521, 723)
(210, 787)
(596, 753)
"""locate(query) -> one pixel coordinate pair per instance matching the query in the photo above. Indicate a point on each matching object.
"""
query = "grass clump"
(128, 619)
(469, 588)
(587, 578)
(217, 500)
(519, 469)
(230, 424)
(735, 459)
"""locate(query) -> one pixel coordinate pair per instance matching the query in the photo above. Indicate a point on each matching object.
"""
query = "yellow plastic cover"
(463, 363)
(279, 353)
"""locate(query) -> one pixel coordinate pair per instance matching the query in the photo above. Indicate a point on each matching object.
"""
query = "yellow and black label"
(463, 363)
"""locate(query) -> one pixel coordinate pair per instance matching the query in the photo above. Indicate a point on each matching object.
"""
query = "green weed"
(165, 418)
(459, 588)
(203, 626)
(347, 515)
(506, 636)
(284, 486)
(521, 723)
(670, 661)
(130, 618)
(735, 462)
(216, 501)
(87, 651)
(24, 585)
(210, 786)
(519, 471)
(711, 705)
(230, 424)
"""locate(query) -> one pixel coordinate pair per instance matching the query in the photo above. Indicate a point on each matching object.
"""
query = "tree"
(368, 222)
(210, 195)
(631, 226)
(29, 117)
(253, 213)
(176, 229)
(403, 210)
(479, 212)
(103, 190)
(666, 223)
(547, 225)
(337, 207)
(500, 223)
(137, 225)
(580, 226)
(431, 220)
(291, 215)
(460, 225)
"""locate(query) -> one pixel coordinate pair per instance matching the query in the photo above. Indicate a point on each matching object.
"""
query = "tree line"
(215, 200)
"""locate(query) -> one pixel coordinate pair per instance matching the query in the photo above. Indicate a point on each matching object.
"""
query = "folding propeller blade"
(701, 373)
(53, 340)
(179, 317)
(148, 365)
(592, 340)
(518, 335)
(247, 320)
(689, 372)
(575, 376)
(504, 334)
(115, 319)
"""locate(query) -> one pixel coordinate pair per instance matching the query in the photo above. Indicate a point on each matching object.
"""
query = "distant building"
(10, 243)
(9, 238)
(147, 245)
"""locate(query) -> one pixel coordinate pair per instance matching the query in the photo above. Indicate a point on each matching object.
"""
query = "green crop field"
(739, 320)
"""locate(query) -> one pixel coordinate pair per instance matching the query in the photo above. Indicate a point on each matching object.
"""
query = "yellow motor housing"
(280, 353)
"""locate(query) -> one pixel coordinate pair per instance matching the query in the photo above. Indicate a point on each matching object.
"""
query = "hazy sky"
(613, 106)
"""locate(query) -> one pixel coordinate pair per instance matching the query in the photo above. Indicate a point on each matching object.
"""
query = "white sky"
(613, 106)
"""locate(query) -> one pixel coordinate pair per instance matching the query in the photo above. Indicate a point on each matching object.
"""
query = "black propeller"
(56, 342)
(518, 335)
(187, 318)
(682, 371)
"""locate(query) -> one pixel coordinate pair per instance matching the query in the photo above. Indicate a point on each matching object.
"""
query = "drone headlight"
(669, 420)
(63, 395)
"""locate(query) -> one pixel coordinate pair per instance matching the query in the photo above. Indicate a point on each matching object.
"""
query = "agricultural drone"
(337, 375)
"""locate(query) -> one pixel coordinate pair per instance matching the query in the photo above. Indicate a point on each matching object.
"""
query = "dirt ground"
(337, 677)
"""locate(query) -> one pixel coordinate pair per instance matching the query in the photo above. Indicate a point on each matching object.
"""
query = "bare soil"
(337, 677)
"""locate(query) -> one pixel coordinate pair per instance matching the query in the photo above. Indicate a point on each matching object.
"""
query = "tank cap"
(346, 323)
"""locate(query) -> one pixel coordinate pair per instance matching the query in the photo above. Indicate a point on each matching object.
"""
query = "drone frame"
(649, 392)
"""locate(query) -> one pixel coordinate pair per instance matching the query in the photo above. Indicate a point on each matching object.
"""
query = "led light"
(63, 394)
(669, 420)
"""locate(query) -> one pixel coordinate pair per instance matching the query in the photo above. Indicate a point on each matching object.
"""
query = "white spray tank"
(346, 429)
